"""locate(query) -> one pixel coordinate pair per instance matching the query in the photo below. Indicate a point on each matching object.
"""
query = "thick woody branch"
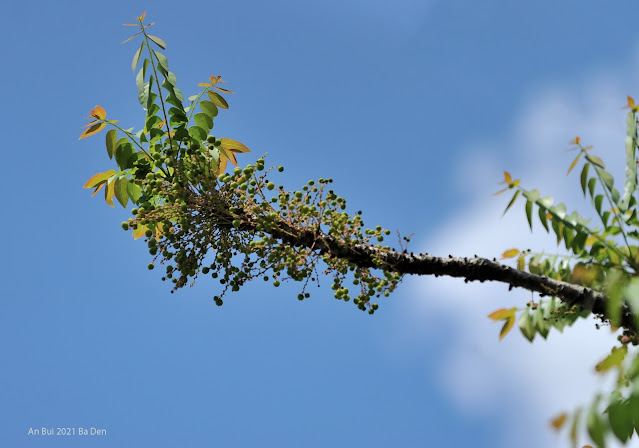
(470, 269)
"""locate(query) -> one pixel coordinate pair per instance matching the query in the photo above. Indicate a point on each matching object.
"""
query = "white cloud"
(523, 384)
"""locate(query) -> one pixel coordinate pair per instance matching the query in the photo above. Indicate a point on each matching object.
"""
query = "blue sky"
(413, 108)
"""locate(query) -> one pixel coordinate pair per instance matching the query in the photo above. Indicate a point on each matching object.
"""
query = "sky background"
(414, 108)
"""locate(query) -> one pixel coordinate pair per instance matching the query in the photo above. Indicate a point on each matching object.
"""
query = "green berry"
(236, 223)
(148, 233)
(150, 266)
(125, 225)
(280, 169)
(270, 186)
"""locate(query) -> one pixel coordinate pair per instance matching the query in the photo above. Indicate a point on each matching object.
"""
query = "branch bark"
(470, 269)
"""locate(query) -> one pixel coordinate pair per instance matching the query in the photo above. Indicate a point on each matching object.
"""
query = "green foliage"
(602, 258)
(198, 219)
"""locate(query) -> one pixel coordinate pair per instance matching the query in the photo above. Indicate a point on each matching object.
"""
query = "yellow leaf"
(222, 166)
(131, 24)
(574, 163)
(510, 253)
(233, 145)
(139, 232)
(508, 325)
(98, 113)
(98, 188)
(588, 148)
(159, 230)
(141, 18)
(576, 141)
(216, 79)
(558, 421)
(205, 84)
(98, 178)
(500, 192)
(521, 262)
(502, 314)
(615, 358)
(507, 178)
(631, 102)
(222, 90)
(109, 192)
(92, 130)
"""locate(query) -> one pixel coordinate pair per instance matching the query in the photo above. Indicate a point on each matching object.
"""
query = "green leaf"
(136, 57)
(595, 425)
(631, 125)
(153, 110)
(178, 94)
(170, 80)
(606, 177)
(133, 191)
(529, 209)
(559, 210)
(156, 134)
(122, 154)
(152, 122)
(598, 202)
(531, 195)
(159, 42)
(630, 185)
(541, 324)
(543, 218)
(545, 202)
(139, 79)
(568, 235)
(111, 139)
(584, 177)
(591, 186)
(132, 37)
(614, 359)
(143, 94)
(177, 117)
(163, 63)
(512, 201)
(151, 100)
(209, 108)
(120, 191)
(579, 242)
(203, 121)
(217, 99)
(198, 133)
(526, 326)
(595, 160)
(173, 100)
(557, 227)
(620, 417)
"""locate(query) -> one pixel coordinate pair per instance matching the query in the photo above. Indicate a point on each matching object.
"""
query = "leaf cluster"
(198, 219)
